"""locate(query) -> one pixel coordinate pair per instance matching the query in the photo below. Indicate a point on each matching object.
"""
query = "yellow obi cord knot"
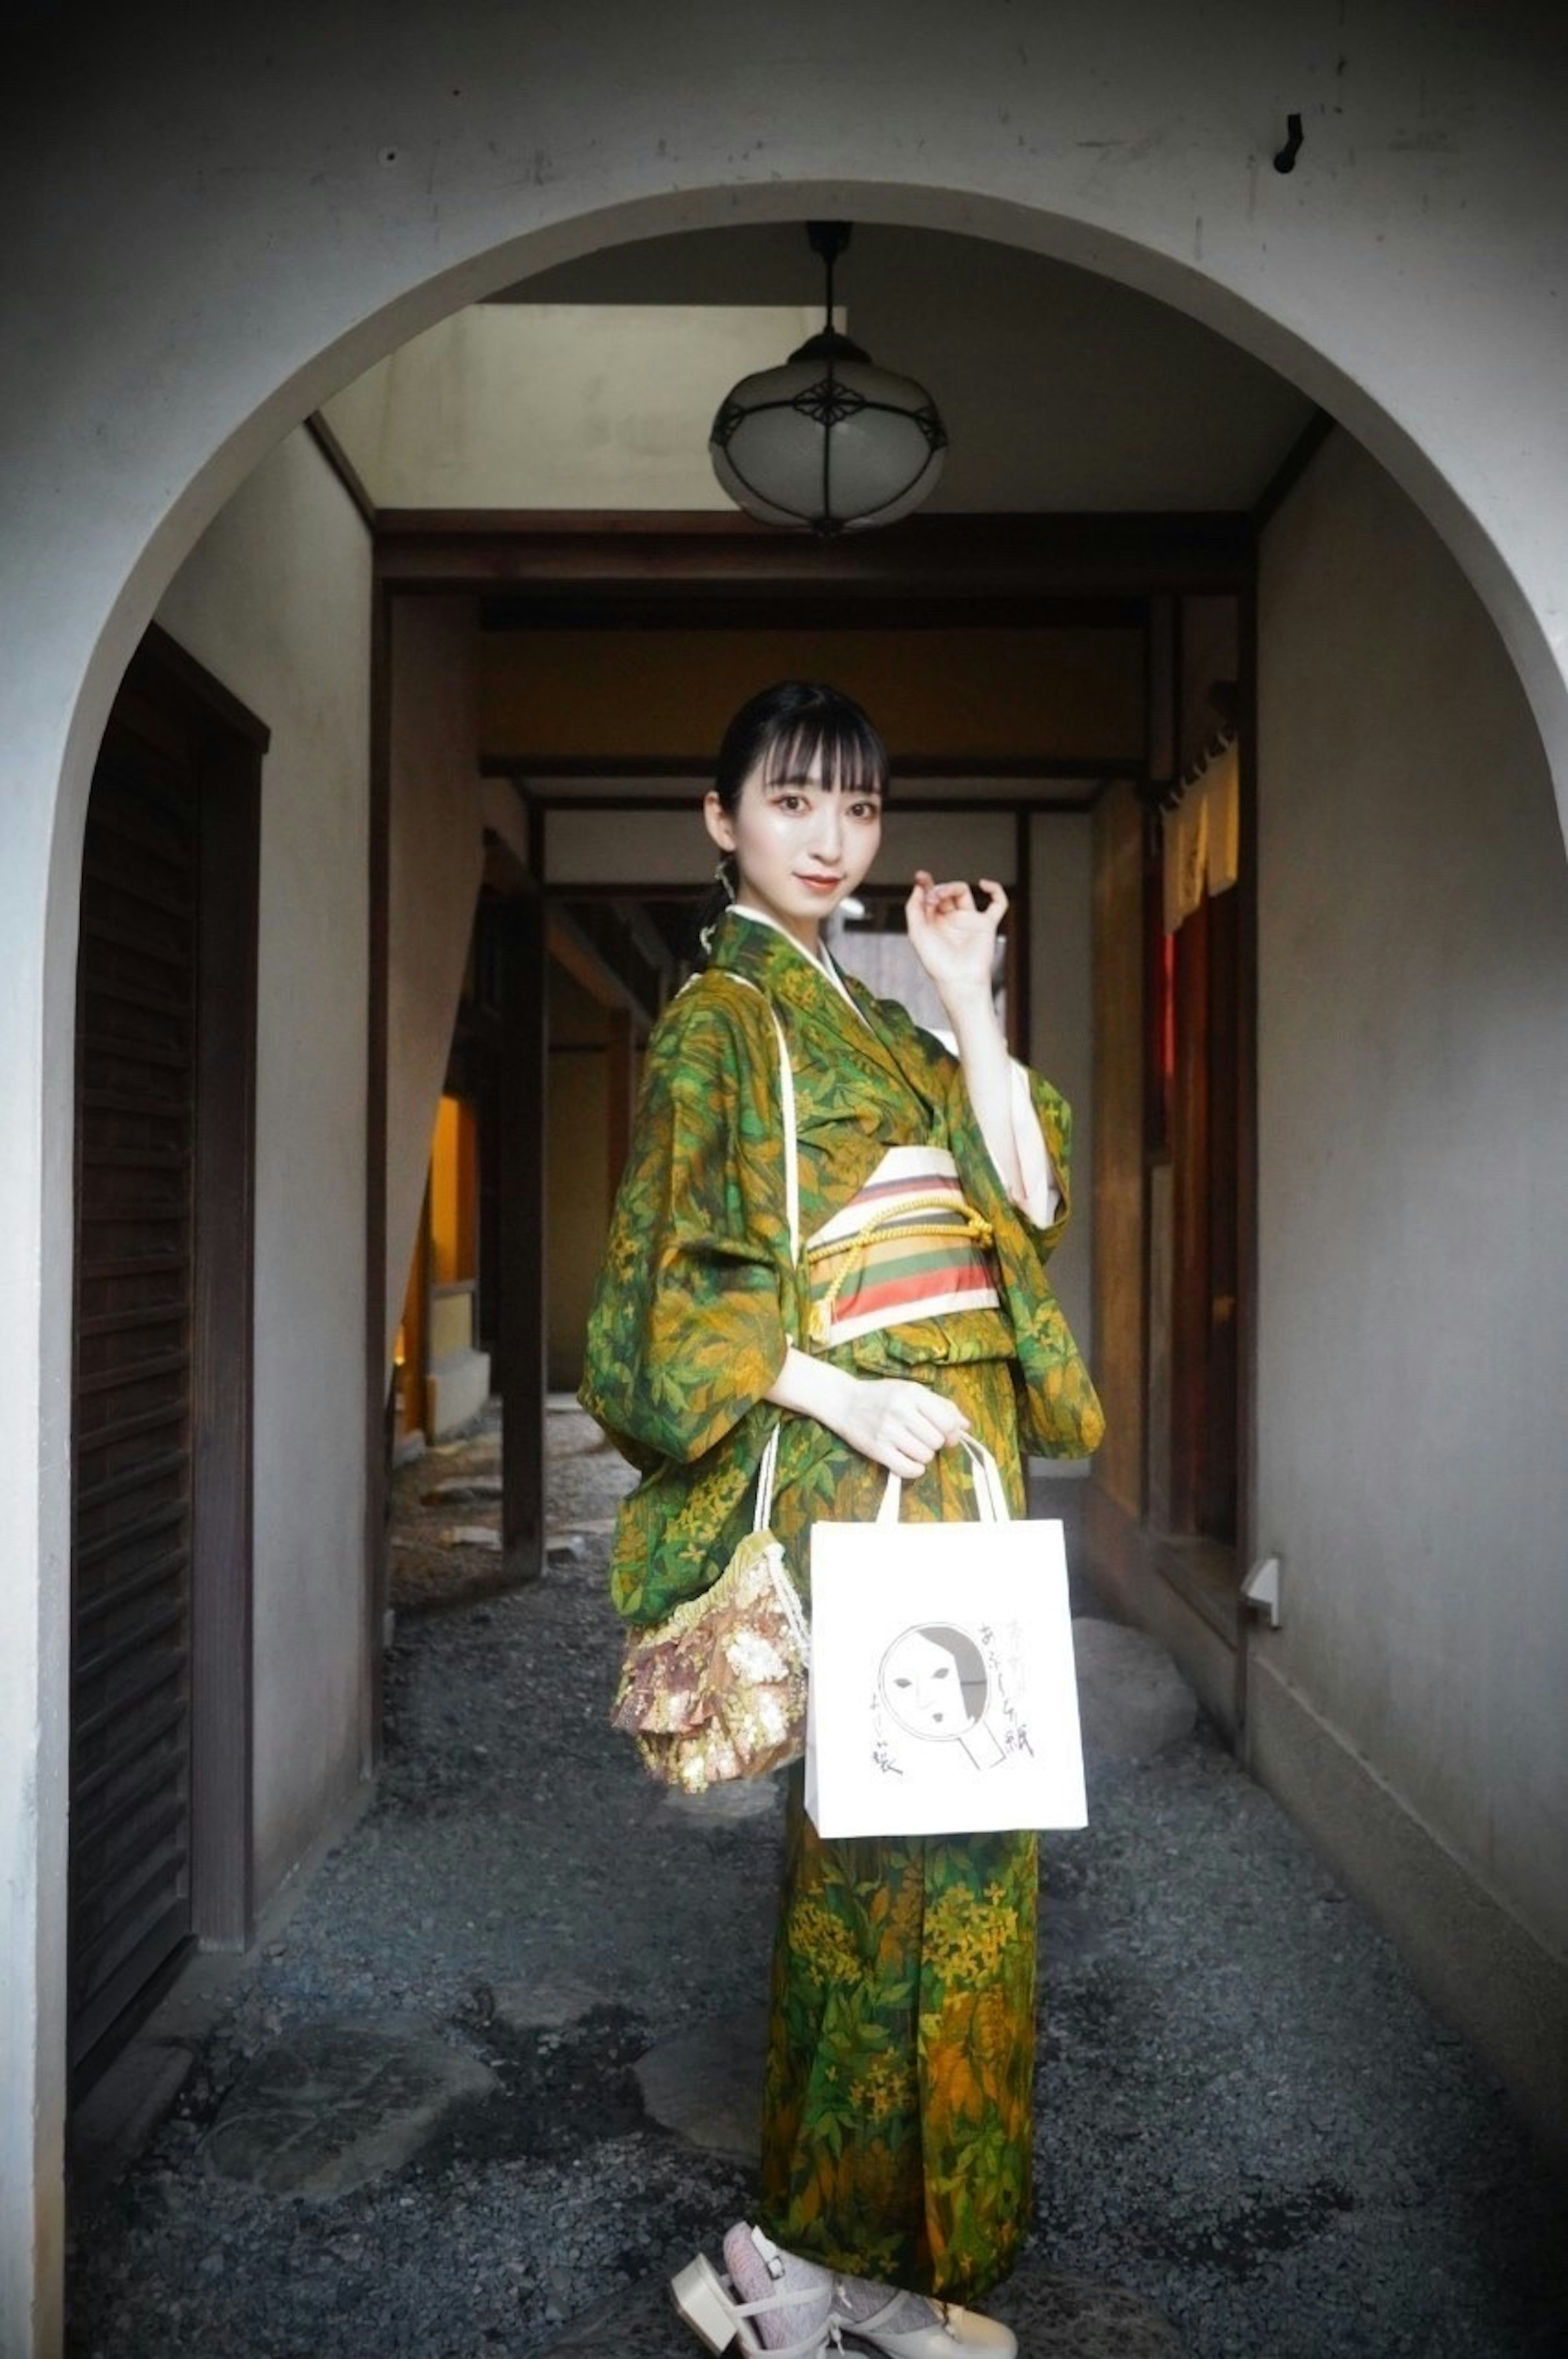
(909, 1246)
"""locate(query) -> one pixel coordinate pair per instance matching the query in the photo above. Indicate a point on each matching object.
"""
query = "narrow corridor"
(1247, 2117)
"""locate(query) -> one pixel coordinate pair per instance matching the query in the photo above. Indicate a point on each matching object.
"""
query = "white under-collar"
(821, 960)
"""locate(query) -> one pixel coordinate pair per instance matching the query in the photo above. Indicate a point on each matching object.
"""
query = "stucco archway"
(228, 221)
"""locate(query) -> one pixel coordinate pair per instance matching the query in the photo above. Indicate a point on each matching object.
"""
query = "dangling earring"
(726, 877)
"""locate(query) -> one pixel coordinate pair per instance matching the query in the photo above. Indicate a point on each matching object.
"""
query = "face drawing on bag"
(933, 1681)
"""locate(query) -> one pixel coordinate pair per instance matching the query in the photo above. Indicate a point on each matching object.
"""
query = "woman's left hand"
(953, 940)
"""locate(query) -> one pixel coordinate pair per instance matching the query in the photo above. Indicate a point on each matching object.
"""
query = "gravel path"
(1246, 2113)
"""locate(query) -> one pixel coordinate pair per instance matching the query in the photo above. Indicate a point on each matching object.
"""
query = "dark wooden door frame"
(520, 923)
(233, 745)
(378, 1408)
(1246, 1049)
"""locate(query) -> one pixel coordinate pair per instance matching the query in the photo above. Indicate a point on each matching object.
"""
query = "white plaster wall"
(214, 221)
(436, 856)
(274, 599)
(514, 406)
(1413, 1183)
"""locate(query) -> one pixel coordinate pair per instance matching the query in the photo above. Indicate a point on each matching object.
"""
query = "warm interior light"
(454, 1193)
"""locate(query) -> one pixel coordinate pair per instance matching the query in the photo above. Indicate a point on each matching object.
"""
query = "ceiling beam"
(657, 562)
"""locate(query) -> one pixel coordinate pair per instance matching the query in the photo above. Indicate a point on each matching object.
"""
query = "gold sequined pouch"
(717, 1690)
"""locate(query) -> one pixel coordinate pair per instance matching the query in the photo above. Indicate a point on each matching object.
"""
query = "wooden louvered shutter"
(131, 1783)
(161, 1502)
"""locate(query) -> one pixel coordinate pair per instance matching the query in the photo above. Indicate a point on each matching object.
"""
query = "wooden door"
(160, 1573)
(1206, 1156)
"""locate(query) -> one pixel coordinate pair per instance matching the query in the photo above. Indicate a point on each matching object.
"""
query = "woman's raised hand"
(955, 941)
(899, 1424)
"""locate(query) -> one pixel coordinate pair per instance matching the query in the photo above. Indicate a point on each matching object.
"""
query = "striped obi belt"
(908, 1246)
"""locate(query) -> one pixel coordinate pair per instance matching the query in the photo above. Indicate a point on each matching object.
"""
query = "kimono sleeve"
(687, 1330)
(1059, 1415)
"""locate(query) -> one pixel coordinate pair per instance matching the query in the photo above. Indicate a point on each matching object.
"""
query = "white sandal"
(952, 2333)
(711, 2307)
(708, 2306)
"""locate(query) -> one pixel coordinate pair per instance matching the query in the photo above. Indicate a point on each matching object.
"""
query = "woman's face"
(799, 846)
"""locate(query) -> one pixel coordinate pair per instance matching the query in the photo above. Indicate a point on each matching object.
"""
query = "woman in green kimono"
(897, 2132)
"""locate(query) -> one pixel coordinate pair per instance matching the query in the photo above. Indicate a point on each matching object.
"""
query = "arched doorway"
(300, 274)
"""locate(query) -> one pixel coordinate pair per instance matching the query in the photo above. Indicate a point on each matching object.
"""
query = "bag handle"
(791, 1147)
(786, 1106)
(765, 1473)
(990, 1495)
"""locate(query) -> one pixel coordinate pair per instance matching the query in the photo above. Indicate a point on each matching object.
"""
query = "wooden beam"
(343, 467)
(524, 1066)
(1116, 1182)
(742, 604)
(661, 562)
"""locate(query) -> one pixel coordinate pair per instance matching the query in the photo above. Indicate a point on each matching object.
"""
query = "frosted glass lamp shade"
(828, 441)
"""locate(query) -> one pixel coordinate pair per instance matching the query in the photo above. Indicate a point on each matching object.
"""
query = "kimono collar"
(763, 954)
(823, 961)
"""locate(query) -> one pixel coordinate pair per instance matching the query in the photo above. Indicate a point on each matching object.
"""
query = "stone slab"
(1132, 1700)
(1053, 2317)
(707, 2084)
(546, 2004)
(730, 1804)
(327, 2108)
(460, 1488)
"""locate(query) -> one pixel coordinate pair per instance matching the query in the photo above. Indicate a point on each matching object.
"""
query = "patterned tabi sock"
(759, 2270)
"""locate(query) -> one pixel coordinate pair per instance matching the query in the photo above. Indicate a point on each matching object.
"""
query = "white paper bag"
(943, 1699)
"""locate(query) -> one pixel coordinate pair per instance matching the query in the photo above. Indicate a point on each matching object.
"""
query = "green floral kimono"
(897, 2128)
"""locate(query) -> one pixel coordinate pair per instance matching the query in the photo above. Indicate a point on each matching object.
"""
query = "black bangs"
(784, 730)
(851, 754)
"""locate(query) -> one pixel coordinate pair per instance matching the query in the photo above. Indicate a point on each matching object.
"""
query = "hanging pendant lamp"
(828, 441)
